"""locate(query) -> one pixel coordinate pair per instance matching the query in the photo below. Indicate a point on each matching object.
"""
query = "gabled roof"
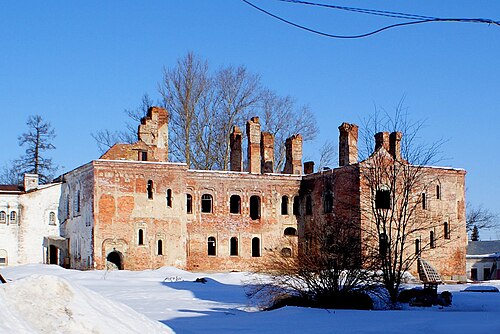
(483, 247)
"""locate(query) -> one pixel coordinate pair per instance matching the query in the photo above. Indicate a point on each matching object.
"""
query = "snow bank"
(50, 304)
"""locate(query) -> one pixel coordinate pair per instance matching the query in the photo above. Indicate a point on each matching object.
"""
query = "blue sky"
(80, 64)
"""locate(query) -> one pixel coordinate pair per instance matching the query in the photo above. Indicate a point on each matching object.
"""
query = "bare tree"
(327, 155)
(394, 183)
(326, 271)
(10, 174)
(183, 88)
(37, 140)
(481, 218)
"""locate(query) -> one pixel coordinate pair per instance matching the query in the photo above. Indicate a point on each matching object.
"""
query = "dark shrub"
(344, 300)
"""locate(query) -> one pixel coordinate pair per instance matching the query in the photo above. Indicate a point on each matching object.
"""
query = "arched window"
(159, 247)
(296, 205)
(169, 198)
(290, 231)
(432, 242)
(189, 203)
(13, 217)
(206, 203)
(255, 247)
(417, 246)
(255, 207)
(284, 205)
(286, 252)
(446, 231)
(76, 204)
(233, 246)
(150, 189)
(328, 202)
(211, 246)
(235, 204)
(309, 206)
(3, 217)
(140, 237)
(52, 218)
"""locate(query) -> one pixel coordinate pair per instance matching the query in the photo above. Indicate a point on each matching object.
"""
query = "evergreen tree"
(475, 234)
(37, 141)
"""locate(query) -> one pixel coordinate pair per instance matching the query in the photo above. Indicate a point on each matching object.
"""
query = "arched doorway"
(116, 258)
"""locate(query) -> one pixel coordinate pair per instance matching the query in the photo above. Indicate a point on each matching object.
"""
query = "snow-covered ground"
(50, 299)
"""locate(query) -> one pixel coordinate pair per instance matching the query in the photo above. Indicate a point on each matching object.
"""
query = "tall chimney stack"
(348, 144)
(235, 159)
(253, 133)
(293, 162)
(382, 140)
(267, 152)
(395, 144)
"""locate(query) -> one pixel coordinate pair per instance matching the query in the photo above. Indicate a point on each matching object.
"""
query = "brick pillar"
(267, 152)
(253, 133)
(293, 162)
(395, 145)
(348, 144)
(382, 140)
(235, 145)
(309, 167)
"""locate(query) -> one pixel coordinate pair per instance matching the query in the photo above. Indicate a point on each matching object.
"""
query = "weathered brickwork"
(139, 211)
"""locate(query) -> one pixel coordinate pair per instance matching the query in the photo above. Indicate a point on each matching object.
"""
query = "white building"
(29, 223)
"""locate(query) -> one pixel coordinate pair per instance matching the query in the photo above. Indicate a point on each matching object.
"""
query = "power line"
(418, 19)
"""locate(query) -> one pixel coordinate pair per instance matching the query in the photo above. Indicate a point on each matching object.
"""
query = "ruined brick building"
(133, 208)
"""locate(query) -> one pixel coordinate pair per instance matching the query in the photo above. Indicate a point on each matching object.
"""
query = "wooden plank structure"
(428, 275)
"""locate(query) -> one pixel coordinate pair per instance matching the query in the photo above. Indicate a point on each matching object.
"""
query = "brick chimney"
(293, 148)
(395, 144)
(253, 133)
(382, 140)
(308, 167)
(267, 152)
(235, 154)
(153, 131)
(348, 144)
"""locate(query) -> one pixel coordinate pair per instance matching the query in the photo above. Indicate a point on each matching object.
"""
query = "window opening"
(140, 239)
(206, 203)
(383, 199)
(290, 231)
(169, 198)
(235, 204)
(432, 242)
(309, 207)
(296, 205)
(446, 231)
(286, 252)
(189, 203)
(383, 244)
(211, 246)
(150, 189)
(486, 273)
(284, 205)
(233, 245)
(255, 207)
(255, 247)
(438, 192)
(473, 274)
(160, 247)
(3, 217)
(52, 218)
(424, 201)
(328, 202)
(417, 246)
(143, 156)
(13, 217)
